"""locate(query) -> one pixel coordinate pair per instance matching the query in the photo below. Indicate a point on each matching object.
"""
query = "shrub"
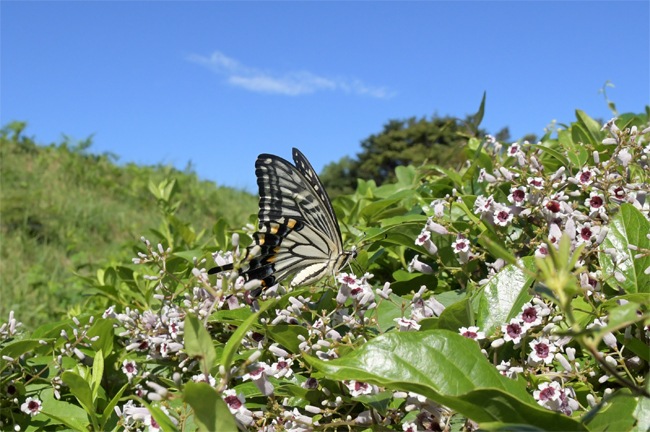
(512, 294)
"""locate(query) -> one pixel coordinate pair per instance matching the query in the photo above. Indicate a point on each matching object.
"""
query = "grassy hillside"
(65, 210)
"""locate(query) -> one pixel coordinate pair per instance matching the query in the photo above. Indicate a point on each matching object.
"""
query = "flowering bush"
(510, 294)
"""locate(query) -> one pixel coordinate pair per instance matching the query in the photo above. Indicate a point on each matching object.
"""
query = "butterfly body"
(298, 232)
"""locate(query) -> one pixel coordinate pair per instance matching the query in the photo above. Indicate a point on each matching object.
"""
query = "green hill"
(65, 210)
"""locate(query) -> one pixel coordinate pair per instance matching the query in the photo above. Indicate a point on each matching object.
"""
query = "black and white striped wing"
(298, 232)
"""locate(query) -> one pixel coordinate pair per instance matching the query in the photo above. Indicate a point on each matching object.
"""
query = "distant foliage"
(413, 141)
(512, 293)
(66, 210)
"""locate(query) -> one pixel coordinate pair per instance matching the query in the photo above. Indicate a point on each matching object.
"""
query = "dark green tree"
(438, 140)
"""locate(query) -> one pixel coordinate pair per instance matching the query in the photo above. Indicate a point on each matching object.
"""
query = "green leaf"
(61, 418)
(210, 411)
(287, 335)
(18, 348)
(198, 343)
(642, 414)
(183, 228)
(458, 315)
(629, 226)
(81, 390)
(591, 126)
(580, 135)
(635, 345)
(448, 369)
(219, 231)
(161, 418)
(98, 372)
(453, 175)
(379, 401)
(556, 154)
(108, 411)
(189, 255)
(104, 329)
(478, 117)
(236, 338)
(618, 416)
(497, 250)
(504, 295)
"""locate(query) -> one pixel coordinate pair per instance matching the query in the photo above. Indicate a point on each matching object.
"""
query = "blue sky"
(218, 83)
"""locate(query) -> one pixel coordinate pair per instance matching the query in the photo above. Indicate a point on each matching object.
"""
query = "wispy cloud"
(289, 83)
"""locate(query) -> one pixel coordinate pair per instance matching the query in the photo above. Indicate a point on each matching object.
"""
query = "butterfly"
(298, 232)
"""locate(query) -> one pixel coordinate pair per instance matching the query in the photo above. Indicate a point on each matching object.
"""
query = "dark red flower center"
(470, 334)
(233, 402)
(503, 216)
(585, 176)
(514, 330)
(596, 202)
(529, 315)
(546, 394)
(542, 350)
(586, 233)
(553, 206)
(518, 195)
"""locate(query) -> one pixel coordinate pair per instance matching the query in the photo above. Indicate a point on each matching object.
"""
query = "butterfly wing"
(298, 232)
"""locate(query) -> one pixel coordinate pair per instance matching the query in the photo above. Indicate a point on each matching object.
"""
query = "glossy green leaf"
(61, 418)
(210, 411)
(108, 411)
(18, 348)
(629, 226)
(552, 152)
(453, 175)
(235, 340)
(448, 369)
(504, 295)
(591, 126)
(642, 414)
(198, 343)
(98, 373)
(104, 329)
(380, 401)
(458, 315)
(81, 390)
(635, 345)
(189, 255)
(287, 335)
(163, 420)
(617, 416)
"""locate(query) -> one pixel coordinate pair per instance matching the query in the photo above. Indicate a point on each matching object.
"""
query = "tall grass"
(64, 210)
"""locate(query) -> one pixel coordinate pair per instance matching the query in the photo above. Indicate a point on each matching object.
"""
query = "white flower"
(461, 244)
(595, 202)
(513, 331)
(518, 195)
(548, 391)
(536, 182)
(282, 368)
(514, 150)
(542, 351)
(130, 368)
(201, 378)
(502, 216)
(586, 176)
(360, 388)
(438, 207)
(423, 237)
(471, 333)
(31, 406)
(530, 315)
(407, 324)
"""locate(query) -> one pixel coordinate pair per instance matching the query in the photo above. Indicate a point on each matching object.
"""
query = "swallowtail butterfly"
(298, 232)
